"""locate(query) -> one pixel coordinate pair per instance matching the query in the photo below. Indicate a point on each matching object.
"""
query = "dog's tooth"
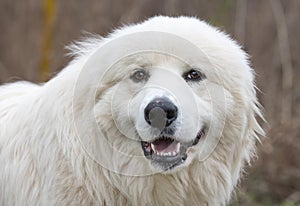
(177, 147)
(153, 147)
(173, 153)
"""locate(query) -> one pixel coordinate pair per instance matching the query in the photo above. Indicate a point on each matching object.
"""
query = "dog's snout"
(160, 113)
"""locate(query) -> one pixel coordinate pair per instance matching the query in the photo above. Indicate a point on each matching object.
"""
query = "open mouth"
(166, 152)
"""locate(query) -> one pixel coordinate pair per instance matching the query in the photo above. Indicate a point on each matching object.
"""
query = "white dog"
(157, 113)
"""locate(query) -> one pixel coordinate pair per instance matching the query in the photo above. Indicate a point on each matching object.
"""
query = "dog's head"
(168, 93)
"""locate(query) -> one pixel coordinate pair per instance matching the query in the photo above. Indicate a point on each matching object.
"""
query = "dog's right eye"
(139, 76)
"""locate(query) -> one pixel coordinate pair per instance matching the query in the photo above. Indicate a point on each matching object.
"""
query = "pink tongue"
(165, 145)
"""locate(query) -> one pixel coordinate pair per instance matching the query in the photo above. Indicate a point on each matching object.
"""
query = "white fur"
(43, 127)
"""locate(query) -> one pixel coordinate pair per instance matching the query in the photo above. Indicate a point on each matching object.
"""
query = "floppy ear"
(254, 113)
(251, 130)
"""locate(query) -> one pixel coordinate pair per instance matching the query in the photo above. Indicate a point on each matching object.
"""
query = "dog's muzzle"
(165, 151)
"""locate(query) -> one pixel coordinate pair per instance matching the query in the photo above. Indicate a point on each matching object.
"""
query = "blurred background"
(35, 33)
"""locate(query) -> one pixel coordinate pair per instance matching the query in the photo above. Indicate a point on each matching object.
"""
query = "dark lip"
(170, 162)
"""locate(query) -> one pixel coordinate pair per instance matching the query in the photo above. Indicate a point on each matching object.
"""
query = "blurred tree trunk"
(240, 20)
(286, 63)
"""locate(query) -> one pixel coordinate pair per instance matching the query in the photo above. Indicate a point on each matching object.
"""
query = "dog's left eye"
(139, 75)
(193, 75)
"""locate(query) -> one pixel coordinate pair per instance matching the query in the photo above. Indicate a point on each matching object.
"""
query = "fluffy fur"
(53, 153)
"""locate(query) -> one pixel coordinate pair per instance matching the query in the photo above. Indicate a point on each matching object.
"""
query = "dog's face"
(165, 106)
(170, 117)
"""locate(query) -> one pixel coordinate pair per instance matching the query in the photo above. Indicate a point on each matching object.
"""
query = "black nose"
(160, 113)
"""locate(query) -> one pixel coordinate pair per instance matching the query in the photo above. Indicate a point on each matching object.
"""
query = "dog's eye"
(139, 75)
(193, 75)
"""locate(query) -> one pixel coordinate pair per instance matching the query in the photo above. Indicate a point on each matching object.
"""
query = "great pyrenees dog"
(157, 113)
